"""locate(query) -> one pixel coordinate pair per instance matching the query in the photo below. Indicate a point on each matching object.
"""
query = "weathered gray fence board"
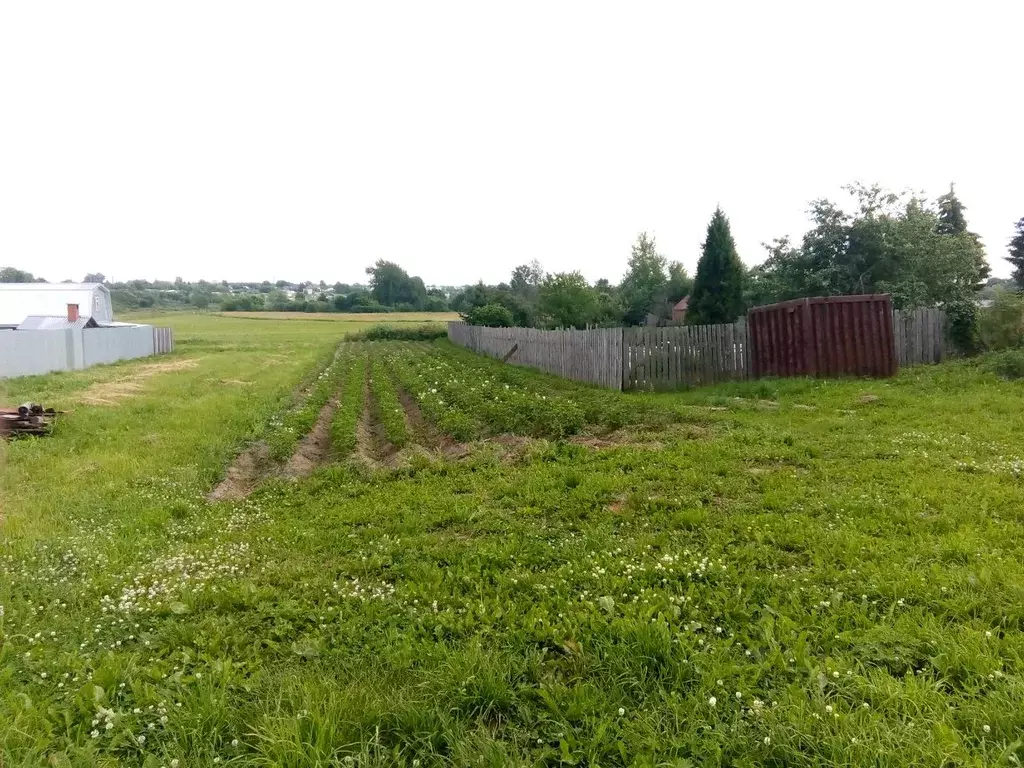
(920, 336)
(592, 356)
(671, 357)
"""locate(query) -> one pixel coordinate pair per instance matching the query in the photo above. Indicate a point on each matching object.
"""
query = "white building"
(48, 327)
(19, 300)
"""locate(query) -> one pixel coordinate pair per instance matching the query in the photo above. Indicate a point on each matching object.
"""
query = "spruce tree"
(718, 287)
(1016, 256)
(952, 220)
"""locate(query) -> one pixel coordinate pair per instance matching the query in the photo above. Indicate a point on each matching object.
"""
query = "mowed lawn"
(766, 573)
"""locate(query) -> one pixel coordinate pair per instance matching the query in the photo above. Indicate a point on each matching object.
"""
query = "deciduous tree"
(567, 300)
(526, 279)
(680, 283)
(644, 285)
(891, 244)
(13, 275)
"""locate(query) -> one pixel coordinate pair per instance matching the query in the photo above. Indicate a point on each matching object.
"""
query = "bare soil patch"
(618, 503)
(251, 467)
(113, 392)
(315, 448)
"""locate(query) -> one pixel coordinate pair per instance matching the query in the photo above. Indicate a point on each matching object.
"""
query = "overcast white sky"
(252, 140)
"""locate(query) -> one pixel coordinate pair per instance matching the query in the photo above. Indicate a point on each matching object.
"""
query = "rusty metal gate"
(828, 336)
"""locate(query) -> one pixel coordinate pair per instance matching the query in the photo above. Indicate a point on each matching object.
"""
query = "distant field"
(239, 330)
(354, 317)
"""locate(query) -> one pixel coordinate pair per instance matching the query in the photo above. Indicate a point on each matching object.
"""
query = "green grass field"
(391, 318)
(420, 557)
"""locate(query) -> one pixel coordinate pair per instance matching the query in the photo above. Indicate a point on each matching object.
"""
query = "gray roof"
(50, 323)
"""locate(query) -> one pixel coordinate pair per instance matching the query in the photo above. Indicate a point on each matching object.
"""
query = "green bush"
(1009, 363)
(426, 332)
(491, 315)
(1002, 324)
(964, 331)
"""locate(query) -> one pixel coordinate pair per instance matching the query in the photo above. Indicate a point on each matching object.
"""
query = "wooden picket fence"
(920, 336)
(163, 340)
(593, 356)
(675, 357)
(684, 356)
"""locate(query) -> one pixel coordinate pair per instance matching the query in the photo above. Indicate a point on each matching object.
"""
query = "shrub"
(1009, 363)
(1002, 324)
(426, 332)
(491, 315)
(963, 316)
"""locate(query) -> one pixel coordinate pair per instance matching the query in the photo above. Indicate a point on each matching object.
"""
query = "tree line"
(923, 254)
(390, 289)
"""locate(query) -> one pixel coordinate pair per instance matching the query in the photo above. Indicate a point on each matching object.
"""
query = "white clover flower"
(767, 740)
(713, 701)
(94, 733)
(986, 728)
(828, 708)
(234, 742)
(739, 695)
(622, 711)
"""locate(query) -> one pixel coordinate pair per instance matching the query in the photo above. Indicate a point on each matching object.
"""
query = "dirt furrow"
(250, 468)
(314, 449)
(372, 445)
(425, 433)
(255, 464)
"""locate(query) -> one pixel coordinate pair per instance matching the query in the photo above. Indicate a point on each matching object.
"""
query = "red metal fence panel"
(828, 336)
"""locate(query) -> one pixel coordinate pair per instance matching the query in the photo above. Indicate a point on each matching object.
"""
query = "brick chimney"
(72, 313)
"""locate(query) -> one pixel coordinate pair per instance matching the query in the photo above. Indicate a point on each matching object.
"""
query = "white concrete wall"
(27, 353)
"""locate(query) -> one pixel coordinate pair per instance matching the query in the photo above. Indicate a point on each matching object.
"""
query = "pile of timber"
(26, 419)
